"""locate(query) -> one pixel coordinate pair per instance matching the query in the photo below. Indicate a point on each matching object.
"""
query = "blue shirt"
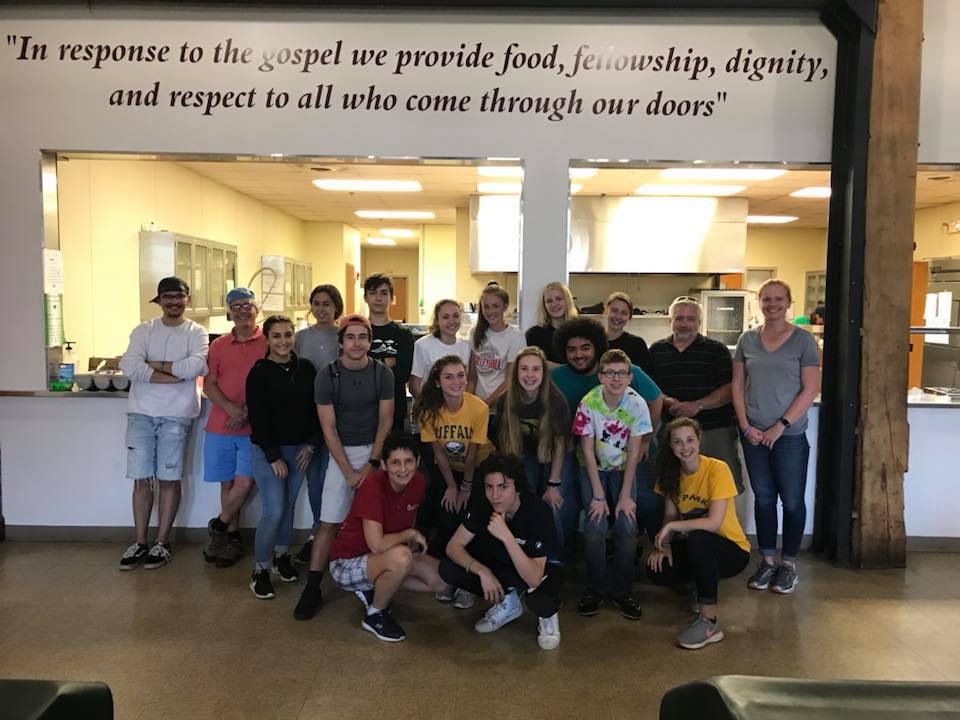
(574, 386)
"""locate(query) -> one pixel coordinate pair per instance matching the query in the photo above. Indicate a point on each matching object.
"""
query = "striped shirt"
(694, 373)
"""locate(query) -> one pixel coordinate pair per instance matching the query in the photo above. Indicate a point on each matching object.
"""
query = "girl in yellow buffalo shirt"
(701, 539)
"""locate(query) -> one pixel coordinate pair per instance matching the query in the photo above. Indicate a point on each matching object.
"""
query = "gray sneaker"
(232, 551)
(761, 579)
(701, 632)
(786, 579)
(215, 545)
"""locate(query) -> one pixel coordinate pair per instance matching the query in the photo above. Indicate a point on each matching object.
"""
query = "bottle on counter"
(68, 367)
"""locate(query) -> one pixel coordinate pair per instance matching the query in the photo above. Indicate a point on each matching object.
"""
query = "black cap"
(171, 284)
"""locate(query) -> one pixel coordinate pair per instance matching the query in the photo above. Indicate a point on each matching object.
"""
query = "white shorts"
(351, 573)
(337, 494)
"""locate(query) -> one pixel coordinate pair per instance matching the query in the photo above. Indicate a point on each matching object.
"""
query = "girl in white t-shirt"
(494, 346)
(441, 340)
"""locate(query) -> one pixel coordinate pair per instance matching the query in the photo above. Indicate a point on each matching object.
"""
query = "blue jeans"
(277, 500)
(781, 471)
(568, 516)
(315, 474)
(595, 537)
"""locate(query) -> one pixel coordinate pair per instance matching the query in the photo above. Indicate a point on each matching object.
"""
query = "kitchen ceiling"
(287, 186)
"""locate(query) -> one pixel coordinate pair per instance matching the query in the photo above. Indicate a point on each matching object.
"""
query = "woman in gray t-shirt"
(776, 376)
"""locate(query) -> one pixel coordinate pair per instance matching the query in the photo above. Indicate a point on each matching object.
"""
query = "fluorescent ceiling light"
(689, 190)
(720, 174)
(812, 192)
(582, 173)
(395, 214)
(770, 219)
(397, 233)
(369, 185)
(500, 171)
(575, 188)
(381, 241)
(499, 188)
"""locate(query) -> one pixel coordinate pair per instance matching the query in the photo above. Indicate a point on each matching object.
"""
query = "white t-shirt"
(491, 359)
(185, 345)
(428, 349)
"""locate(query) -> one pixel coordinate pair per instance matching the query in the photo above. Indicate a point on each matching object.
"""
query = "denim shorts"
(225, 457)
(351, 573)
(156, 446)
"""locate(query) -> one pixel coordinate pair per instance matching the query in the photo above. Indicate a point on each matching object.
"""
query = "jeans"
(543, 601)
(779, 471)
(156, 446)
(315, 474)
(703, 557)
(595, 537)
(567, 517)
(277, 500)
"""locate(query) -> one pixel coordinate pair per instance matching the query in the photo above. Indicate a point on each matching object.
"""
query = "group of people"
(514, 444)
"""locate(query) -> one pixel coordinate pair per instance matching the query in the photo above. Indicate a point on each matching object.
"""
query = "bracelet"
(470, 565)
(747, 431)
(599, 499)
(550, 483)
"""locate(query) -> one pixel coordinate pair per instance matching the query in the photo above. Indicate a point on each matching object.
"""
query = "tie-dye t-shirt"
(611, 429)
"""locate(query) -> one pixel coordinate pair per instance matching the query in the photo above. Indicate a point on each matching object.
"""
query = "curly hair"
(580, 327)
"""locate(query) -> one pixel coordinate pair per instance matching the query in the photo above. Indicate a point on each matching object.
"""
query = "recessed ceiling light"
(500, 171)
(770, 219)
(395, 214)
(369, 185)
(397, 233)
(582, 173)
(821, 191)
(720, 174)
(499, 188)
(575, 188)
(689, 190)
(381, 241)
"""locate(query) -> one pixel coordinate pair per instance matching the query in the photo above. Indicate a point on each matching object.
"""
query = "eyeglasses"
(241, 306)
(611, 374)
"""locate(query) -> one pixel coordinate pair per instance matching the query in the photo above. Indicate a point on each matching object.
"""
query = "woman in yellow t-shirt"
(701, 539)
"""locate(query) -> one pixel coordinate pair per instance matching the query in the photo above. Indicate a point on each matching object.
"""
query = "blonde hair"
(612, 356)
(511, 436)
(775, 281)
(434, 328)
(569, 313)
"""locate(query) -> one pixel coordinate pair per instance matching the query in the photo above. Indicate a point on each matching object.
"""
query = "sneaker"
(158, 556)
(786, 579)
(366, 597)
(760, 580)
(285, 569)
(134, 556)
(215, 546)
(589, 603)
(549, 637)
(261, 585)
(302, 558)
(505, 611)
(231, 552)
(701, 632)
(463, 599)
(446, 596)
(309, 602)
(383, 625)
(628, 606)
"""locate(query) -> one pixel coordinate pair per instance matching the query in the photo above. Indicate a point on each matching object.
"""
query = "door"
(350, 296)
(398, 308)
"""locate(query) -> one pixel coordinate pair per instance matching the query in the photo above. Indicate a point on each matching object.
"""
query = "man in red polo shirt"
(226, 445)
(377, 550)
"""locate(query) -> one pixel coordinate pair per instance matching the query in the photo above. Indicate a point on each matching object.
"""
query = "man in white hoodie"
(163, 360)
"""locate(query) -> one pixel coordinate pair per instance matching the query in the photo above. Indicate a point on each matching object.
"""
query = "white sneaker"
(549, 638)
(463, 599)
(505, 611)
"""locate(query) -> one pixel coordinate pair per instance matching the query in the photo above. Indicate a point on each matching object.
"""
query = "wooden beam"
(879, 537)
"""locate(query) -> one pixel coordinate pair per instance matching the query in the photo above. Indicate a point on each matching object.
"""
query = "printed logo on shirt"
(383, 348)
(455, 448)
(521, 541)
(538, 545)
(694, 498)
(488, 360)
(411, 508)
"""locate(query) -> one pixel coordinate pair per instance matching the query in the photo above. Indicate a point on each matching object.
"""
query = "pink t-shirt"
(229, 361)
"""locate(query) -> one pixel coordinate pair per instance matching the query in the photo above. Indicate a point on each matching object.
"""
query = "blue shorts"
(156, 446)
(225, 457)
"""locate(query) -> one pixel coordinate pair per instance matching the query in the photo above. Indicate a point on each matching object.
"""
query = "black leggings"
(703, 557)
(543, 602)
(432, 514)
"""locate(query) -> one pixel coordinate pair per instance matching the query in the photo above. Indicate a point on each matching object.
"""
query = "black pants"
(703, 557)
(443, 522)
(543, 602)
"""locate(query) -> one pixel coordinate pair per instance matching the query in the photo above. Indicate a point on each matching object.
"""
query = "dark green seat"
(739, 697)
(49, 700)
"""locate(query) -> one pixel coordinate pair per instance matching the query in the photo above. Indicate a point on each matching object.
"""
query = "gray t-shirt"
(355, 396)
(773, 378)
(320, 347)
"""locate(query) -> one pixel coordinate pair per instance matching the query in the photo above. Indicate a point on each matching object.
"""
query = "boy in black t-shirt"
(500, 551)
(391, 342)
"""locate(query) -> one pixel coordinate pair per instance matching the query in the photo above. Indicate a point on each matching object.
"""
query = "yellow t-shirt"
(456, 430)
(712, 481)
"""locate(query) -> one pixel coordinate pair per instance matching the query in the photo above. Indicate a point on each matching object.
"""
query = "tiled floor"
(190, 641)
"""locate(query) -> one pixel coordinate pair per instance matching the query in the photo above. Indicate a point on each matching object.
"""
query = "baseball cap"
(355, 319)
(171, 284)
(241, 293)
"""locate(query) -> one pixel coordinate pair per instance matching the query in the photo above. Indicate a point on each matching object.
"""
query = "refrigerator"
(727, 313)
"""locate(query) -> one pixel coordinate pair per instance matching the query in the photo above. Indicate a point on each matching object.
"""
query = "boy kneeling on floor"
(500, 551)
(377, 551)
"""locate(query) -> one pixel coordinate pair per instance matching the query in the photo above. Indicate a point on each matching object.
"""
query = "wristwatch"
(374, 462)
(784, 422)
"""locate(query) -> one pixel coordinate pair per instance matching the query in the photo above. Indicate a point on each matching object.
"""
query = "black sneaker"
(302, 558)
(383, 626)
(158, 556)
(134, 556)
(628, 606)
(309, 602)
(285, 569)
(589, 603)
(261, 585)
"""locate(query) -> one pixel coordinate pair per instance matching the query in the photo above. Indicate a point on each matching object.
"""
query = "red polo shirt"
(229, 360)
